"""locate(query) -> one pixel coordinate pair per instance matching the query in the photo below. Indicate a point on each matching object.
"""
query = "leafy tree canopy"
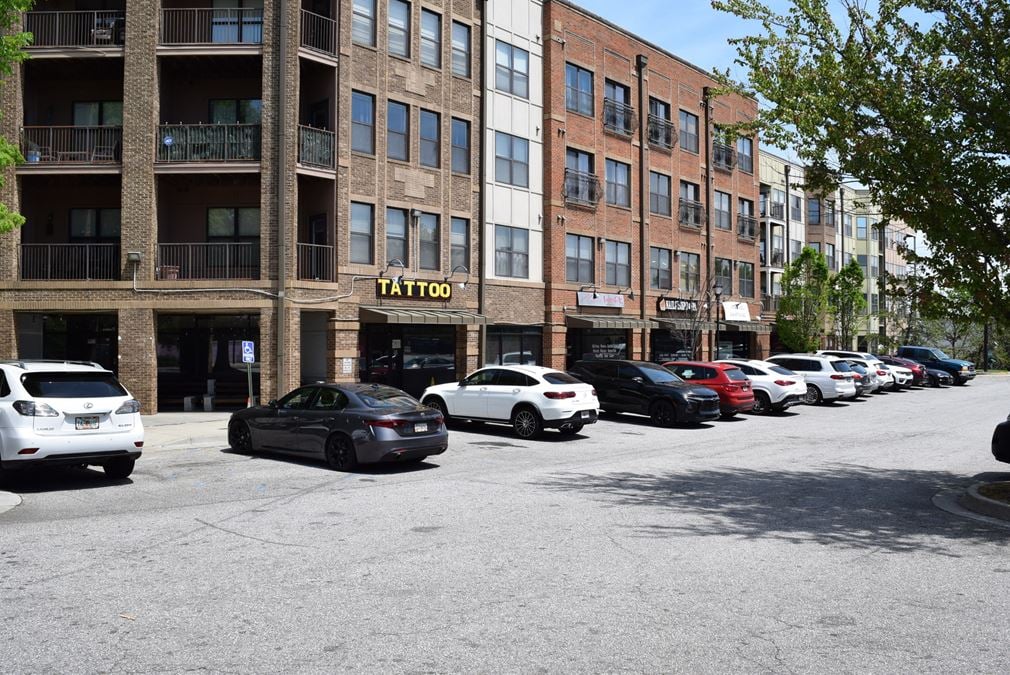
(12, 44)
(847, 300)
(803, 306)
(917, 113)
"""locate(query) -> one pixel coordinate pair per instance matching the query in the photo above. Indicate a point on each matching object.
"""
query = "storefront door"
(408, 356)
(595, 343)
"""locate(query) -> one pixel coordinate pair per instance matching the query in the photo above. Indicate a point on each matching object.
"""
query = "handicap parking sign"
(248, 351)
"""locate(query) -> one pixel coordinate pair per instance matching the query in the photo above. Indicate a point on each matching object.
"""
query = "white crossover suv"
(828, 378)
(530, 398)
(775, 388)
(69, 413)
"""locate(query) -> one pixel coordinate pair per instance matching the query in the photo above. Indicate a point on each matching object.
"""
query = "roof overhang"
(421, 315)
(605, 321)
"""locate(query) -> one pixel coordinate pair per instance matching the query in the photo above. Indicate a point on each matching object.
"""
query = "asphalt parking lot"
(797, 542)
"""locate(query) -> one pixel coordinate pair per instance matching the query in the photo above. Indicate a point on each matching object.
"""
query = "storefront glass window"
(514, 345)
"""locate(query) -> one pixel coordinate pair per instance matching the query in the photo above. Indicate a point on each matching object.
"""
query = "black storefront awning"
(604, 321)
(745, 326)
(445, 317)
(671, 323)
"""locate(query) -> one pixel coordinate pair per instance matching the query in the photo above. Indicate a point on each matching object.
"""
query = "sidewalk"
(182, 429)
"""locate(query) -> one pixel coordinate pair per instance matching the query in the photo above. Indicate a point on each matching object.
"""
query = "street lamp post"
(909, 332)
(717, 289)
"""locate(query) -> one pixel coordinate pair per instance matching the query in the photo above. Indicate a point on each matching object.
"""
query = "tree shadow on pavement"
(843, 505)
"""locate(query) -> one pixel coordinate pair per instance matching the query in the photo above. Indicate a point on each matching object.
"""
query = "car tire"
(340, 453)
(119, 468)
(814, 395)
(438, 404)
(762, 403)
(663, 414)
(727, 416)
(527, 423)
(240, 438)
(571, 429)
(960, 381)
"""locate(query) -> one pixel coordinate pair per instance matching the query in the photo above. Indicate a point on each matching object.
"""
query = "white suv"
(69, 413)
(775, 388)
(530, 398)
(828, 378)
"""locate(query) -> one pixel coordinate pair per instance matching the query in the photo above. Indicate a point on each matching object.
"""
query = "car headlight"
(131, 406)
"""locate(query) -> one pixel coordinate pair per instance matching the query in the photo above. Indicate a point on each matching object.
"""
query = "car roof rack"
(21, 363)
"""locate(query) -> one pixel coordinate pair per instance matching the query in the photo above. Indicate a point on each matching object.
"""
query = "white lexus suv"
(530, 398)
(67, 413)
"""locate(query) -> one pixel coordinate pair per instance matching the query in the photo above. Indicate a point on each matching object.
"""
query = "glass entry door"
(409, 357)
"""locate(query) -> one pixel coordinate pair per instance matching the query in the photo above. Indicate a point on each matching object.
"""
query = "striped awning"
(445, 317)
(745, 326)
(671, 323)
(604, 321)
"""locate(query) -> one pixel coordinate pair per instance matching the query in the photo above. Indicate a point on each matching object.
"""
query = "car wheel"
(663, 414)
(119, 468)
(960, 382)
(571, 429)
(240, 438)
(813, 396)
(727, 416)
(340, 453)
(527, 423)
(762, 404)
(439, 405)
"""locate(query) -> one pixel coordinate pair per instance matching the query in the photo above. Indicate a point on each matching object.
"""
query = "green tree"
(12, 43)
(909, 98)
(803, 306)
(847, 300)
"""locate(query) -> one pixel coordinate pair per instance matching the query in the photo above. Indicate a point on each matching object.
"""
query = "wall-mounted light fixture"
(460, 268)
(587, 287)
(134, 257)
(629, 291)
(395, 262)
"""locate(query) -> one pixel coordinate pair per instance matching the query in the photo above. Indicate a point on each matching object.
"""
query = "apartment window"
(396, 235)
(512, 69)
(511, 159)
(511, 252)
(861, 223)
(459, 243)
(659, 194)
(746, 223)
(690, 191)
(460, 49)
(847, 224)
(690, 272)
(688, 131)
(723, 211)
(617, 112)
(874, 233)
(618, 257)
(745, 154)
(98, 114)
(829, 213)
(660, 125)
(431, 39)
(580, 184)
(829, 255)
(362, 122)
(233, 224)
(724, 275)
(618, 183)
(429, 133)
(398, 34)
(796, 208)
(362, 232)
(691, 210)
(813, 211)
(578, 89)
(795, 248)
(397, 134)
(229, 111)
(363, 23)
(579, 265)
(460, 146)
(745, 273)
(815, 245)
(660, 268)
(874, 303)
(96, 225)
(430, 241)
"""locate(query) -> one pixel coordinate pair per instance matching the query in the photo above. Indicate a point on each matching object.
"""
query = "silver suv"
(828, 378)
(67, 413)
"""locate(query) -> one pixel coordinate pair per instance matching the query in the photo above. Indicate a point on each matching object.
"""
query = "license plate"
(420, 428)
(585, 414)
(89, 422)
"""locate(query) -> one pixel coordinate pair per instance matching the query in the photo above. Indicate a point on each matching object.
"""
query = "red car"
(732, 385)
(918, 370)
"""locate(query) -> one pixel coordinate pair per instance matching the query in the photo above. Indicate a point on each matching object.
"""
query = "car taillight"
(837, 376)
(131, 406)
(559, 394)
(33, 409)
(732, 387)
(882, 373)
(387, 424)
(439, 419)
(784, 383)
(594, 392)
(857, 376)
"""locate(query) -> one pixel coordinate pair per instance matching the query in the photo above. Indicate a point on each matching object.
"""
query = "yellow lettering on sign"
(408, 285)
(383, 286)
(422, 287)
(395, 289)
(446, 290)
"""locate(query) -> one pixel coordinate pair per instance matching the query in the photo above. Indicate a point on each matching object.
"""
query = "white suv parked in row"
(775, 388)
(828, 378)
(67, 413)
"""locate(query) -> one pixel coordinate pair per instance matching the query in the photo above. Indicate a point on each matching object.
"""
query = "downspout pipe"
(706, 101)
(788, 244)
(282, 208)
(481, 209)
(643, 194)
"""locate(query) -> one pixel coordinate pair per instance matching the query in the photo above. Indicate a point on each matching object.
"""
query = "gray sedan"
(345, 424)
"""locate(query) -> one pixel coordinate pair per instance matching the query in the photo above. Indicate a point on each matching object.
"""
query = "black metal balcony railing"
(723, 157)
(618, 118)
(75, 29)
(692, 213)
(315, 261)
(208, 142)
(581, 188)
(316, 147)
(746, 226)
(777, 257)
(662, 132)
(777, 210)
(211, 26)
(319, 33)
(209, 260)
(770, 303)
(79, 145)
(58, 262)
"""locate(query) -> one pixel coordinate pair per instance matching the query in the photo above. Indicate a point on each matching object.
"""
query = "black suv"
(647, 389)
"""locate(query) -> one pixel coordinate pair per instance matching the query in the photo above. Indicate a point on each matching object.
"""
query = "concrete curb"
(973, 501)
(8, 500)
(949, 501)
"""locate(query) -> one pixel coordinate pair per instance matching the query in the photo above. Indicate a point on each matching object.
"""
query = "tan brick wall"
(138, 364)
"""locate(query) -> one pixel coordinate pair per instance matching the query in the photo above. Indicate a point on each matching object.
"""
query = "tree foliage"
(12, 43)
(803, 306)
(909, 97)
(847, 300)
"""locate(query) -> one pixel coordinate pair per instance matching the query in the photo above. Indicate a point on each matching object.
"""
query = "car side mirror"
(272, 403)
(462, 383)
(638, 380)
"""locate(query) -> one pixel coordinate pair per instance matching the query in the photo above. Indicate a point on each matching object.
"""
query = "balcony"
(212, 26)
(316, 262)
(746, 226)
(777, 257)
(770, 303)
(775, 210)
(618, 118)
(692, 213)
(723, 157)
(71, 145)
(75, 29)
(68, 262)
(208, 142)
(581, 188)
(209, 260)
(662, 132)
(316, 147)
(319, 33)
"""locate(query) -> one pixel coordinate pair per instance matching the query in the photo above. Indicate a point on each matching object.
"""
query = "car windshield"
(938, 354)
(387, 397)
(659, 375)
(560, 378)
(781, 371)
(735, 374)
(841, 366)
(72, 385)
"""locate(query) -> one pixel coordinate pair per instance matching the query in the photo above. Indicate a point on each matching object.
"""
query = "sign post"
(248, 358)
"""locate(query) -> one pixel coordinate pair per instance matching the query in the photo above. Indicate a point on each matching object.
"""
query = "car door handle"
(483, 388)
(515, 391)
